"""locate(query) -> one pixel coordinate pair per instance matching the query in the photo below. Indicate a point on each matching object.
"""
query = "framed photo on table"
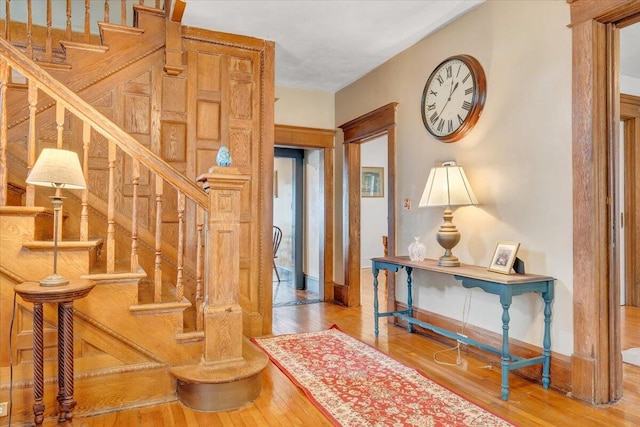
(372, 181)
(503, 257)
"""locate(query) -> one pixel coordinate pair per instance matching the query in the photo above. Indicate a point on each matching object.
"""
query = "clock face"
(453, 98)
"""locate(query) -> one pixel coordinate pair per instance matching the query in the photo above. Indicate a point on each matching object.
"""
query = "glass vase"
(417, 250)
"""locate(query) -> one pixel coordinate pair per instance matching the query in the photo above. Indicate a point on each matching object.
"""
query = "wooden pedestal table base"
(63, 296)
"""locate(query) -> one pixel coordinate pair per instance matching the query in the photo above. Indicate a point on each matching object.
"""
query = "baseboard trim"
(560, 364)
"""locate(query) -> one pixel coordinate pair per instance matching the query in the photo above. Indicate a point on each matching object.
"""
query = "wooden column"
(222, 313)
(228, 376)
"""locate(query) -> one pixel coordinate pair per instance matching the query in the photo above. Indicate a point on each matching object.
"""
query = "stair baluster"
(31, 147)
(87, 21)
(179, 278)
(29, 29)
(157, 273)
(4, 173)
(111, 210)
(49, 42)
(84, 213)
(135, 181)
(123, 12)
(106, 11)
(199, 269)
(7, 14)
(68, 28)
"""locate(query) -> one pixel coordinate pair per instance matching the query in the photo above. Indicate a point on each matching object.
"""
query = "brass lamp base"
(448, 237)
(54, 280)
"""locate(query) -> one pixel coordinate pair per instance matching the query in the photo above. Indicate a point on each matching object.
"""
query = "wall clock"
(453, 97)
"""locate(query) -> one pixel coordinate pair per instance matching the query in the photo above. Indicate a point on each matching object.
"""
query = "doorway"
(295, 190)
(596, 361)
(630, 199)
(356, 132)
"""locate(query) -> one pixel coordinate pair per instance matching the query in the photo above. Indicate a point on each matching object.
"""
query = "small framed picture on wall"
(372, 181)
(503, 257)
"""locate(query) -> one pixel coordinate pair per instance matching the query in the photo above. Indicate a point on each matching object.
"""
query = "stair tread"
(25, 210)
(63, 244)
(109, 26)
(84, 46)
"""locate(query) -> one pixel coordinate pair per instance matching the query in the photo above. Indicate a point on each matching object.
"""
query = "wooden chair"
(277, 238)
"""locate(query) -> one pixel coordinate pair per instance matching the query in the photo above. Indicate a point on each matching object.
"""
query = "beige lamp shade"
(57, 168)
(447, 185)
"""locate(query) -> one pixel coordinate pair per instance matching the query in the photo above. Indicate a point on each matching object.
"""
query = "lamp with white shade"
(57, 168)
(448, 186)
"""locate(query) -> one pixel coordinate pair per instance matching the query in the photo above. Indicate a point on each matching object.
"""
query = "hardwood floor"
(285, 293)
(282, 404)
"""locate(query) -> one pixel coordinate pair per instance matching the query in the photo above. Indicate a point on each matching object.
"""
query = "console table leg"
(375, 299)
(505, 354)
(60, 397)
(546, 342)
(67, 404)
(38, 364)
(409, 297)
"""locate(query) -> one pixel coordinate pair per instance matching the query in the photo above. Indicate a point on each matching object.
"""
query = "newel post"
(222, 313)
(228, 376)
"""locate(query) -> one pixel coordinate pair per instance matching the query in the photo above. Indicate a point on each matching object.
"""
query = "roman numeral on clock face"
(468, 91)
(466, 105)
(434, 117)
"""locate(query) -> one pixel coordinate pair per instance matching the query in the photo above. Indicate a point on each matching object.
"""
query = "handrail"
(100, 123)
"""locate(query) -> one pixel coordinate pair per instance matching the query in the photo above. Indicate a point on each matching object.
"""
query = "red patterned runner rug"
(354, 384)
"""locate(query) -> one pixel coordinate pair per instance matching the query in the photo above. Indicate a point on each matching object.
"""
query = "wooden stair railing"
(23, 31)
(119, 141)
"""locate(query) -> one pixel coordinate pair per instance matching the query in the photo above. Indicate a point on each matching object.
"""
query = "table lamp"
(447, 186)
(59, 169)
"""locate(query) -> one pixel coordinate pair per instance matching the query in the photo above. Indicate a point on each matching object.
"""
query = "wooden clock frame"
(477, 102)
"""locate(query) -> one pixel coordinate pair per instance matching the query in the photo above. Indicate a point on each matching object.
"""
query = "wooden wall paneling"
(227, 94)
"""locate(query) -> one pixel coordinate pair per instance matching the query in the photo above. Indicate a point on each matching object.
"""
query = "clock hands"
(453, 89)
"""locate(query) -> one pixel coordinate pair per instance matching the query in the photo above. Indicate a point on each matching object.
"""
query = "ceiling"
(327, 44)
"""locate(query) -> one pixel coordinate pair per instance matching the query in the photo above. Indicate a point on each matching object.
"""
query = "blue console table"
(471, 276)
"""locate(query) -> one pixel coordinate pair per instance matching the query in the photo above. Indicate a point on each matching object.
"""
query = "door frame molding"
(357, 131)
(321, 139)
(630, 114)
(596, 361)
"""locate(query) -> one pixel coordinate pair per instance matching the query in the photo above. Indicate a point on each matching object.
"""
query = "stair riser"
(109, 304)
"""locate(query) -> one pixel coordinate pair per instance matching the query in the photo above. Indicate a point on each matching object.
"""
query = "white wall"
(517, 158)
(373, 210)
(283, 209)
(314, 213)
(308, 108)
(630, 85)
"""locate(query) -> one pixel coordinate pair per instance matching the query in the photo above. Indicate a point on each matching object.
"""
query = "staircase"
(137, 230)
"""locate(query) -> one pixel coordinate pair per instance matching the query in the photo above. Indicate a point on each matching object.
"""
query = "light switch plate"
(4, 408)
